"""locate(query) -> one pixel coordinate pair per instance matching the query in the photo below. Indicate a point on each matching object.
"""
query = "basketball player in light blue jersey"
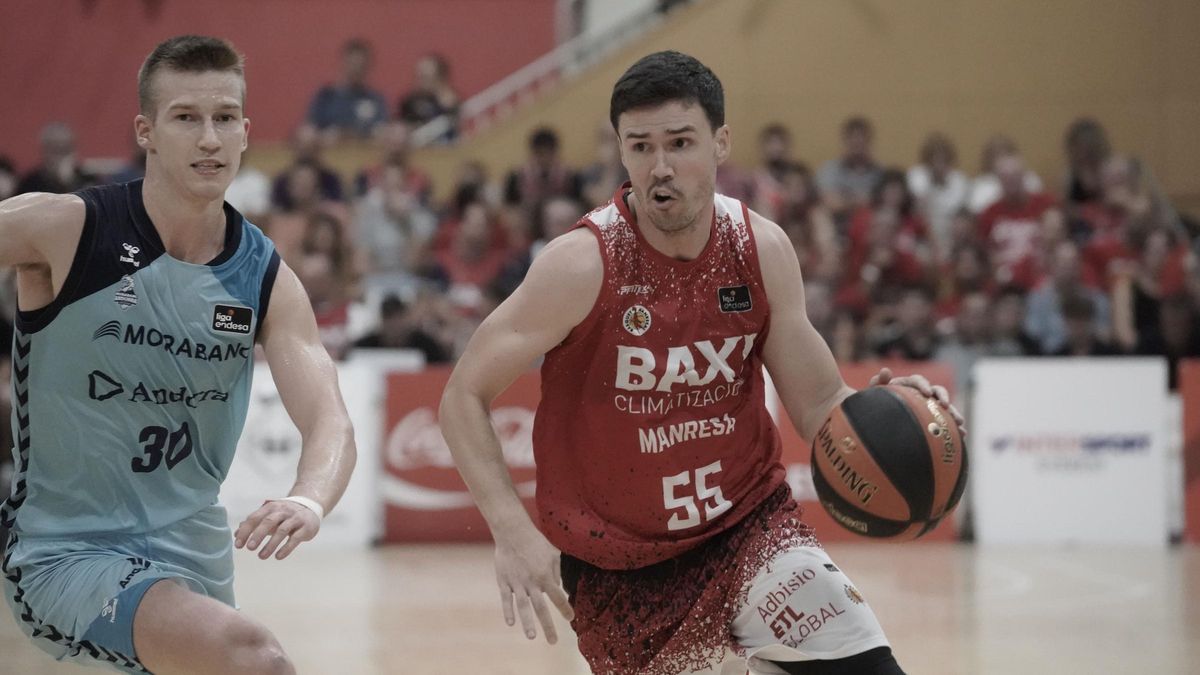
(139, 309)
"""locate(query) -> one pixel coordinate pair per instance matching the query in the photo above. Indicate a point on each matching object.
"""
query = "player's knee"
(253, 649)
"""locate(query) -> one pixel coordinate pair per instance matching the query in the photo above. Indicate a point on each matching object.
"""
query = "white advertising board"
(268, 453)
(1069, 451)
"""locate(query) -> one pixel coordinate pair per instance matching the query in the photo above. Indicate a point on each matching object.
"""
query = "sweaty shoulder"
(778, 263)
(40, 228)
(775, 251)
(565, 278)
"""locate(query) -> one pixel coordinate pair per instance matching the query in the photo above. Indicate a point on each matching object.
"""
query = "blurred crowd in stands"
(950, 258)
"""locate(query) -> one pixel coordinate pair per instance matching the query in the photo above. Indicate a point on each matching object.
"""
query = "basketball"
(889, 463)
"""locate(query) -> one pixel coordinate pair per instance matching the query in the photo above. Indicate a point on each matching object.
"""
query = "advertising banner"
(268, 453)
(426, 500)
(424, 497)
(1070, 451)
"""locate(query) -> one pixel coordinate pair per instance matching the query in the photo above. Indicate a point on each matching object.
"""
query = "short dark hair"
(668, 76)
(936, 143)
(189, 54)
(391, 306)
(892, 176)
(356, 45)
(775, 129)
(857, 123)
(543, 138)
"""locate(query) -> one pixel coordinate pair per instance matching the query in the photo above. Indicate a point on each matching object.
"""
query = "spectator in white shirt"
(940, 190)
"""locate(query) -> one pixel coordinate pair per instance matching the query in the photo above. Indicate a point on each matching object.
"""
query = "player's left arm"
(800, 363)
(307, 382)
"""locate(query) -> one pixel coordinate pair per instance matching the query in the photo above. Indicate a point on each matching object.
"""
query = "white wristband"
(310, 504)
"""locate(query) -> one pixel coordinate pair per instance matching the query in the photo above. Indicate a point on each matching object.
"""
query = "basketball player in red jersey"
(659, 477)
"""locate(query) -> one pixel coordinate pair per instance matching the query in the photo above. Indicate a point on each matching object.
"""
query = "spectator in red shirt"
(395, 148)
(887, 245)
(809, 225)
(473, 261)
(967, 271)
(331, 269)
(1163, 268)
(766, 182)
(1011, 228)
(985, 188)
(1132, 205)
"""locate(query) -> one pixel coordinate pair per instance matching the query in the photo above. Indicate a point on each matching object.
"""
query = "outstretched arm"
(307, 382)
(556, 295)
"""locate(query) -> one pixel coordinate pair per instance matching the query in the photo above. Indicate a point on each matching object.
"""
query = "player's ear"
(142, 126)
(245, 133)
(721, 136)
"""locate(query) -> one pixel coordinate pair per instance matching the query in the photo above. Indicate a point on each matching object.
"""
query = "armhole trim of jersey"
(264, 293)
(601, 298)
(32, 321)
(758, 275)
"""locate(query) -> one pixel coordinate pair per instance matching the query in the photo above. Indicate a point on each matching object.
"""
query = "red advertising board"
(424, 497)
(426, 500)
(1189, 389)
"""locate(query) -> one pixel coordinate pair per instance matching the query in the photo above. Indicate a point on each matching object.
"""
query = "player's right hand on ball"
(527, 568)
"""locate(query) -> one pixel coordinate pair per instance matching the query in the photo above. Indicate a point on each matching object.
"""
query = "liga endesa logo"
(421, 475)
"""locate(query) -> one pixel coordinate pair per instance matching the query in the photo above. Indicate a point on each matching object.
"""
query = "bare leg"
(178, 631)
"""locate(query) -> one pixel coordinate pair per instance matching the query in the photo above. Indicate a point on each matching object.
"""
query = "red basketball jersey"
(652, 434)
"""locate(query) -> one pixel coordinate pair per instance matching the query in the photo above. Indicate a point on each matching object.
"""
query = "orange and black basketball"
(889, 462)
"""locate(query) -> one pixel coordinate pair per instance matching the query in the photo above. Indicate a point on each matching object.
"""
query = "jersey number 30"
(714, 502)
(177, 445)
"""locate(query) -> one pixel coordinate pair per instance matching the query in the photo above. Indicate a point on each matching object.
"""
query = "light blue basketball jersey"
(130, 389)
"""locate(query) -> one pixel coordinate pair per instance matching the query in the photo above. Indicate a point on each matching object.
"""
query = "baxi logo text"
(152, 337)
(636, 365)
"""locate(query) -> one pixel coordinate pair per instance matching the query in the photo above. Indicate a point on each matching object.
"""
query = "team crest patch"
(637, 320)
(854, 595)
(735, 299)
(127, 294)
(230, 319)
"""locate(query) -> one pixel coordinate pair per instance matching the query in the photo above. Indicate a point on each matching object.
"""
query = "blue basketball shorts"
(76, 597)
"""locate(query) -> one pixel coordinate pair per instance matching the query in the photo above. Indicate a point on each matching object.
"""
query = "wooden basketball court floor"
(948, 609)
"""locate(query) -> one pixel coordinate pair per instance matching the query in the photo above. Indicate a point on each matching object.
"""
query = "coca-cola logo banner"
(425, 498)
